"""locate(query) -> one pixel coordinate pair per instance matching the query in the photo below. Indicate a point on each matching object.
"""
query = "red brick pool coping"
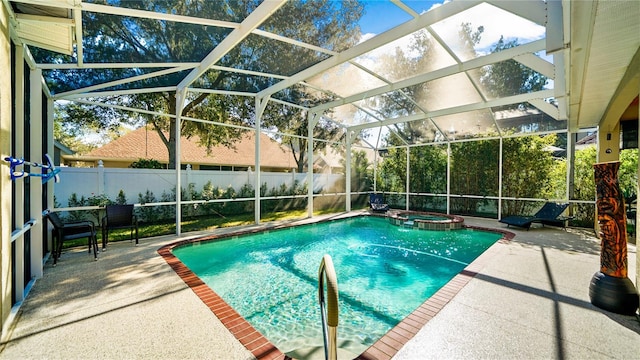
(385, 348)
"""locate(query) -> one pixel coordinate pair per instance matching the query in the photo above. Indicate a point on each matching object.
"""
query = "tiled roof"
(145, 143)
(587, 140)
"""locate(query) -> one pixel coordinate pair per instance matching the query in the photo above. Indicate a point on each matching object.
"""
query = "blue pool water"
(384, 273)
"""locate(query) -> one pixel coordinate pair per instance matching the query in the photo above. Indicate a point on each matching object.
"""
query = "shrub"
(146, 164)
(75, 202)
(147, 213)
(121, 199)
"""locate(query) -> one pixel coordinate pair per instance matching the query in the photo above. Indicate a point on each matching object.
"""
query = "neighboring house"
(60, 150)
(589, 140)
(145, 143)
(526, 120)
(329, 161)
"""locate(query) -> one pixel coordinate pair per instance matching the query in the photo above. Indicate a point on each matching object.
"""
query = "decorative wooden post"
(610, 288)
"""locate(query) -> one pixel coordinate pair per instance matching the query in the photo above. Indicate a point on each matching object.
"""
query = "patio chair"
(549, 214)
(119, 217)
(70, 231)
(376, 202)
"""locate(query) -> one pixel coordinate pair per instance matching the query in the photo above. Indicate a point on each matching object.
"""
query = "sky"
(382, 15)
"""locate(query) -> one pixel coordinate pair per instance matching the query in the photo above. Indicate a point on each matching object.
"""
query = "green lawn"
(197, 224)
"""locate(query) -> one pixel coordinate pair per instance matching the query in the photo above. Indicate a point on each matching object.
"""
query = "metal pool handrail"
(330, 313)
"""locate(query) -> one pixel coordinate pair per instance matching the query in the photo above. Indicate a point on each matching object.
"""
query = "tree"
(78, 138)
(527, 170)
(509, 77)
(474, 171)
(628, 173)
(584, 186)
(428, 171)
(584, 183)
(323, 23)
(361, 171)
(292, 125)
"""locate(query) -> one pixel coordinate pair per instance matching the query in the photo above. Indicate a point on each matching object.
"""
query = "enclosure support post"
(571, 152)
(407, 182)
(261, 104)
(180, 97)
(50, 203)
(18, 186)
(375, 170)
(347, 174)
(50, 148)
(637, 214)
(36, 154)
(311, 117)
(500, 157)
(448, 178)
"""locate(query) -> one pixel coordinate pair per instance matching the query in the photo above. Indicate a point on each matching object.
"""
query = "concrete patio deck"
(530, 301)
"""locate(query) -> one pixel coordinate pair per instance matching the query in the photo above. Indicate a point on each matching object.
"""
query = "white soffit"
(45, 24)
(607, 53)
(49, 33)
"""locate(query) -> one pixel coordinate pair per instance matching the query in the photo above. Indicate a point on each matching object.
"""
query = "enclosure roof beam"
(113, 10)
(122, 11)
(250, 23)
(126, 108)
(77, 19)
(440, 73)
(537, 64)
(426, 19)
(118, 82)
(516, 99)
(117, 65)
(115, 93)
(546, 107)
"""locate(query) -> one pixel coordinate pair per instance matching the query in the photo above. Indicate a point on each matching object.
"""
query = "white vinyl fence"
(89, 182)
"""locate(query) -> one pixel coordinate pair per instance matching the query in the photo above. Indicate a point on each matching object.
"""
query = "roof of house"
(62, 147)
(145, 143)
(588, 140)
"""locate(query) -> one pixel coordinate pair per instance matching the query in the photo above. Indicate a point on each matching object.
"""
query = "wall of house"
(609, 149)
(5, 182)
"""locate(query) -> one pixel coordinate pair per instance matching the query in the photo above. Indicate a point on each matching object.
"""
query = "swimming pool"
(384, 273)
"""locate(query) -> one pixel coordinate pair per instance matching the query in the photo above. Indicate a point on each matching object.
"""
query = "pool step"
(408, 223)
(317, 353)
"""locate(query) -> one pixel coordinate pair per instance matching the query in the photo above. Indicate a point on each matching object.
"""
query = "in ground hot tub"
(425, 220)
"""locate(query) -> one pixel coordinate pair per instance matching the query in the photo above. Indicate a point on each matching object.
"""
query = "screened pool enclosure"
(463, 107)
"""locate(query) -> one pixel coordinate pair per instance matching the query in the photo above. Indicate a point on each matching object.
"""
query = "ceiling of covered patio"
(422, 70)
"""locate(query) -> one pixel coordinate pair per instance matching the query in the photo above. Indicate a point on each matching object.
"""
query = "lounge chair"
(119, 217)
(71, 231)
(376, 202)
(549, 214)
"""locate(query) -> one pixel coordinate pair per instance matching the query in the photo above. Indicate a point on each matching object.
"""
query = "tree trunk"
(171, 143)
(301, 155)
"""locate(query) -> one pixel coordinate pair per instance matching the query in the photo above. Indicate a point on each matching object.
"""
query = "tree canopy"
(325, 23)
(509, 77)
